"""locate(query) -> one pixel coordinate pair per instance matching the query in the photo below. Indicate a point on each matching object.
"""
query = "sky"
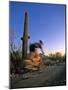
(46, 22)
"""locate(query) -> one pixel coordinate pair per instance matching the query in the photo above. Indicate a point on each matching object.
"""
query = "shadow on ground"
(54, 75)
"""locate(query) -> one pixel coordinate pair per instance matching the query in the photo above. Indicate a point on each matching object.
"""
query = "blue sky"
(46, 22)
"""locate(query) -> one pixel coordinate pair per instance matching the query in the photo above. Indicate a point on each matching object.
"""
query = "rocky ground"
(51, 75)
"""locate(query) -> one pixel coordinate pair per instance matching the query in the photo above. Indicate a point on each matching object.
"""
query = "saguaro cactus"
(25, 38)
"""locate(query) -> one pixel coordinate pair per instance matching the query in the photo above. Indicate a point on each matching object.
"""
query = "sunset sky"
(46, 22)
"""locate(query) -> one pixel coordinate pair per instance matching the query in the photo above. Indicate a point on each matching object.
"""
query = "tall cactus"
(25, 38)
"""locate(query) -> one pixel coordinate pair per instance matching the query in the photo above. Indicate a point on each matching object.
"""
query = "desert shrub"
(15, 61)
(57, 56)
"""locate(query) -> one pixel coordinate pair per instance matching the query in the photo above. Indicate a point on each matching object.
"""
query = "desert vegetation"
(16, 59)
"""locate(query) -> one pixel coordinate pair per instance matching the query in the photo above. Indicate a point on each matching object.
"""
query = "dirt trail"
(48, 76)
